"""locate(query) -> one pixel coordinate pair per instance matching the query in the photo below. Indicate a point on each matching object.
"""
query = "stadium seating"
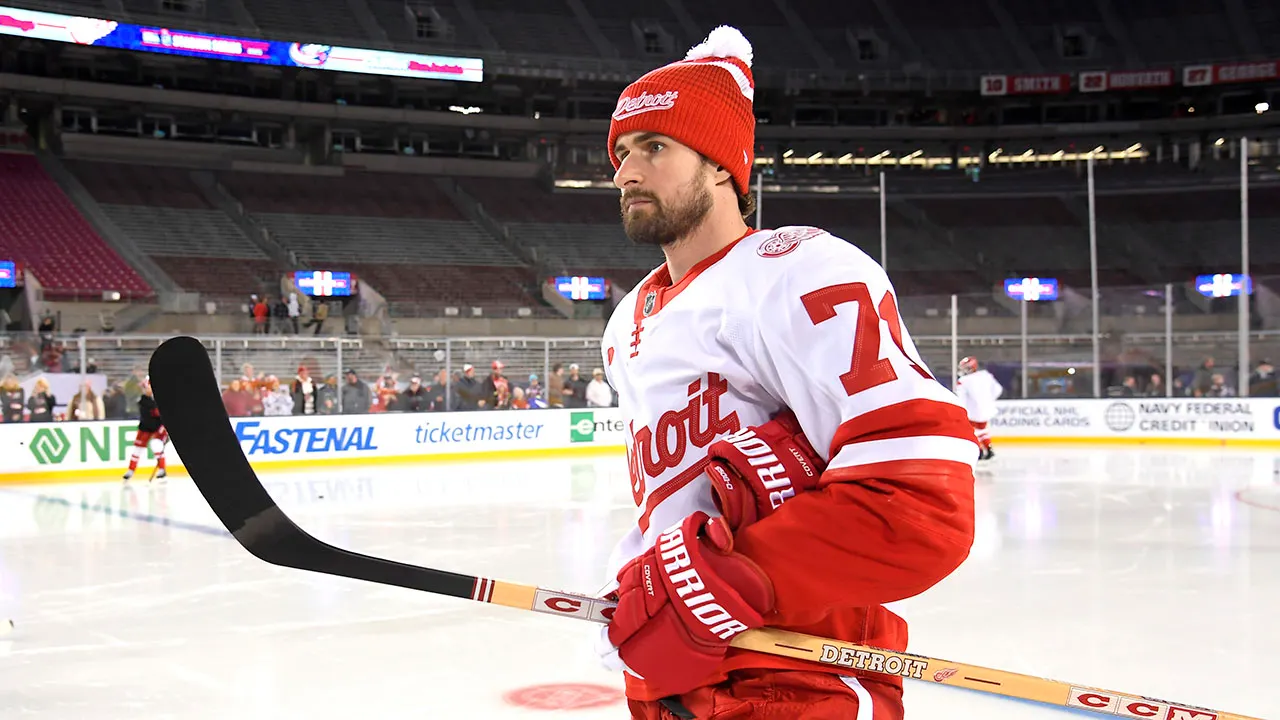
(41, 227)
(163, 211)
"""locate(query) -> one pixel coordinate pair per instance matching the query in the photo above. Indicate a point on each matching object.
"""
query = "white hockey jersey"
(791, 317)
(979, 392)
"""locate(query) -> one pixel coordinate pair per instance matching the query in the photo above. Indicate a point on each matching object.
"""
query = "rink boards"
(100, 450)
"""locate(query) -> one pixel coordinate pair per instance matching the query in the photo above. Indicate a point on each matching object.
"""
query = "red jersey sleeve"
(894, 512)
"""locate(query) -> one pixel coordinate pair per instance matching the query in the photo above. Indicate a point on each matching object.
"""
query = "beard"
(662, 225)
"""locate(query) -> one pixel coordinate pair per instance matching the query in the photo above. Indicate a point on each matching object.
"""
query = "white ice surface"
(1147, 571)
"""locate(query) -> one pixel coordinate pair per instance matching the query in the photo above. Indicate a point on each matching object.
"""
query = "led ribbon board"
(148, 38)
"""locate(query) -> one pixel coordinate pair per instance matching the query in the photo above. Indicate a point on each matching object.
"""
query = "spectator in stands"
(469, 391)
(276, 402)
(598, 392)
(386, 394)
(555, 386)
(236, 400)
(415, 398)
(86, 405)
(47, 327)
(261, 313)
(534, 390)
(41, 402)
(438, 393)
(280, 316)
(327, 396)
(1156, 388)
(356, 397)
(1129, 388)
(1203, 379)
(518, 402)
(1218, 387)
(114, 403)
(497, 389)
(295, 312)
(575, 388)
(303, 390)
(319, 313)
(12, 396)
(1262, 381)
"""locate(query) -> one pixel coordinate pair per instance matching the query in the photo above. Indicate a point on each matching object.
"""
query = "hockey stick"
(191, 405)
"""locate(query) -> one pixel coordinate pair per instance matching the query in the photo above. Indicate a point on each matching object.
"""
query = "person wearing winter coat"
(470, 391)
(327, 396)
(237, 402)
(598, 392)
(13, 398)
(41, 402)
(356, 396)
(86, 405)
(303, 391)
(416, 397)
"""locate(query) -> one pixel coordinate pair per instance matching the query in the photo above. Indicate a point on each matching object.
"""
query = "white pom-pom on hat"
(724, 41)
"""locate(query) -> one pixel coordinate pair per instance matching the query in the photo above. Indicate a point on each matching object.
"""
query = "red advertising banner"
(1104, 80)
(1199, 75)
(995, 85)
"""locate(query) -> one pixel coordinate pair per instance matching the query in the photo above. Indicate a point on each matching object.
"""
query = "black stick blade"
(186, 390)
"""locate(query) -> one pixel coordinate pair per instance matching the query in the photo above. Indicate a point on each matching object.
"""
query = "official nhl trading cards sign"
(148, 38)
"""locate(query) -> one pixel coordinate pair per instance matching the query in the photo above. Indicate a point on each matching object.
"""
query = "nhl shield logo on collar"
(649, 301)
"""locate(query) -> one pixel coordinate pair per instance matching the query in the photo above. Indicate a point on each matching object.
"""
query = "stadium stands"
(41, 227)
(162, 210)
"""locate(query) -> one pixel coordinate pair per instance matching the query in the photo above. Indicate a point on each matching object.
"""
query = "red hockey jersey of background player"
(801, 319)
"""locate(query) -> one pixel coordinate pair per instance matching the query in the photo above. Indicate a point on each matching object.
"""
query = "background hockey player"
(150, 427)
(793, 461)
(978, 390)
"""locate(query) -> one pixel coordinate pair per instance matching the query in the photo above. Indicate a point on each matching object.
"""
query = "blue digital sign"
(582, 288)
(323, 283)
(1223, 285)
(1031, 289)
(148, 38)
(8, 274)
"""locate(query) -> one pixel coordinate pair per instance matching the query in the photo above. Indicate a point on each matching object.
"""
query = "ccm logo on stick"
(573, 606)
(1134, 707)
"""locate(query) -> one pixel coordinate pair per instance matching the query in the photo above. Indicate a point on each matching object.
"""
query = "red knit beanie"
(703, 101)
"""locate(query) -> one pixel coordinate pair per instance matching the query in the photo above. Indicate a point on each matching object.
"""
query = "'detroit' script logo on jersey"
(644, 102)
(675, 430)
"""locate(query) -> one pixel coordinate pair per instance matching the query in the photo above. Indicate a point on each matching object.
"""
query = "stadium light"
(1218, 142)
(1262, 107)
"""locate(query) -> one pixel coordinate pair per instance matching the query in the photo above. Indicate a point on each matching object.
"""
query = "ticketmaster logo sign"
(584, 427)
(50, 446)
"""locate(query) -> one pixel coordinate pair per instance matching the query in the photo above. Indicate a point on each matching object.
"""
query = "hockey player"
(978, 390)
(150, 427)
(793, 461)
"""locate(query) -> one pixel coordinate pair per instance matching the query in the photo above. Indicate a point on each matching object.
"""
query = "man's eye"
(655, 147)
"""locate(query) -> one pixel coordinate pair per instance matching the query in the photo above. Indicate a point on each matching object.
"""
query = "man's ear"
(721, 175)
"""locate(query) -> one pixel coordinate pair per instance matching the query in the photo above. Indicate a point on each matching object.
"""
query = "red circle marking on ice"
(565, 696)
(1260, 500)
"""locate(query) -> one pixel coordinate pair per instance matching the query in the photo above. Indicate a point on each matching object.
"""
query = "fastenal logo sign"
(582, 427)
(50, 446)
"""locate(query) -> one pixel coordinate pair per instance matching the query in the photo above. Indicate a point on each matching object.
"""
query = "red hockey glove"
(756, 469)
(682, 601)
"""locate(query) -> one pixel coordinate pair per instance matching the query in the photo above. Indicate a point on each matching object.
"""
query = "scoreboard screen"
(8, 274)
(324, 283)
(577, 287)
(1031, 289)
(1224, 285)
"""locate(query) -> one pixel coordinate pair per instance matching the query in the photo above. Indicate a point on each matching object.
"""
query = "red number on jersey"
(868, 369)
